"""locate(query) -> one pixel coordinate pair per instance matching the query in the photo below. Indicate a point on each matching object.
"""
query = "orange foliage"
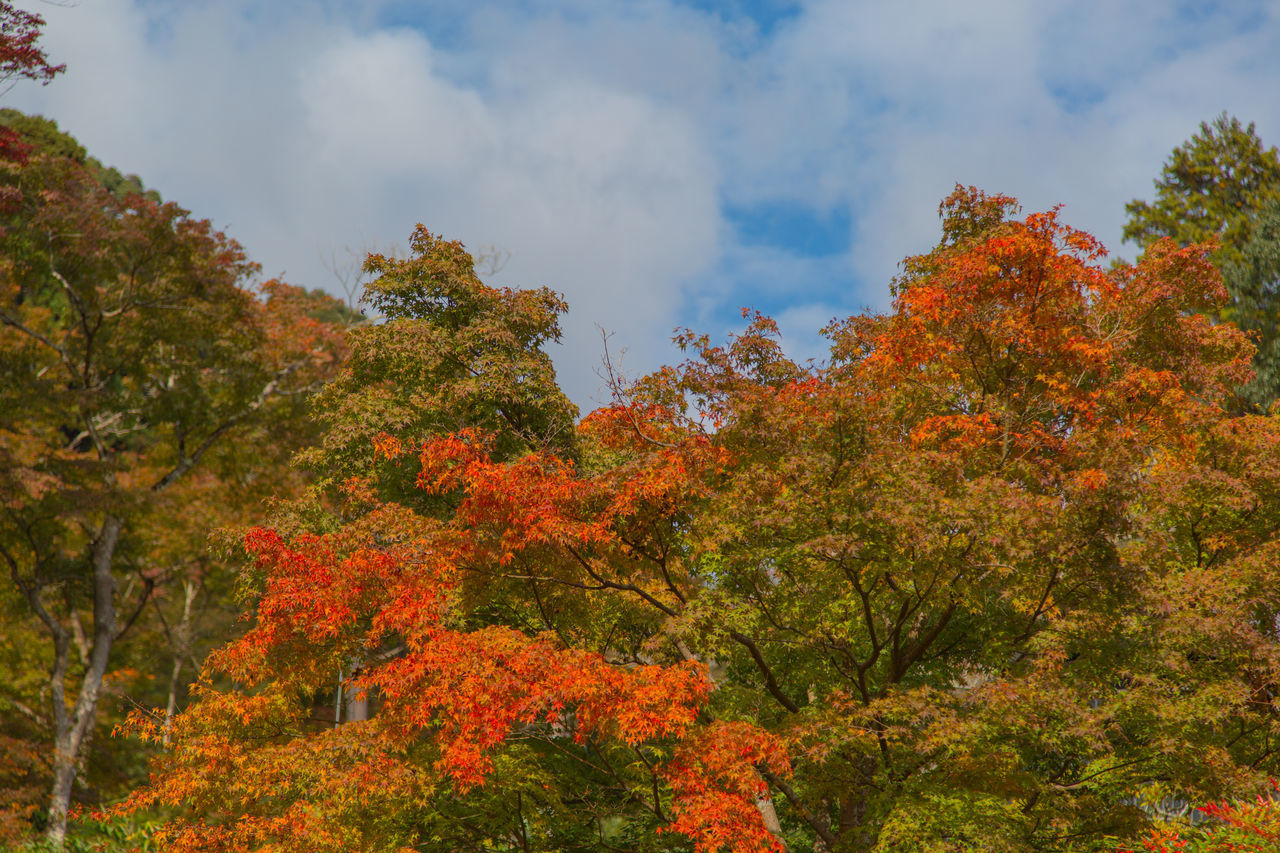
(716, 782)
(889, 561)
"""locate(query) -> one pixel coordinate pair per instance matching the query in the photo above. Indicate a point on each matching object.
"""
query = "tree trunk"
(181, 651)
(355, 701)
(71, 729)
(357, 706)
(764, 804)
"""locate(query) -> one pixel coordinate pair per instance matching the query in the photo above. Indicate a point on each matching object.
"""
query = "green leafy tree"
(1254, 281)
(1210, 190)
(449, 353)
(1223, 186)
(132, 359)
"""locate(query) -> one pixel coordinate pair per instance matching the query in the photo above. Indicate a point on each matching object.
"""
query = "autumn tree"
(21, 58)
(990, 579)
(132, 358)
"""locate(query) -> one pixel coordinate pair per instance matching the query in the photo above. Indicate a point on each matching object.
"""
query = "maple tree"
(21, 58)
(132, 356)
(989, 579)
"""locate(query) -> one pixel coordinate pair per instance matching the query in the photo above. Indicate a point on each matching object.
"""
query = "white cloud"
(316, 135)
(598, 141)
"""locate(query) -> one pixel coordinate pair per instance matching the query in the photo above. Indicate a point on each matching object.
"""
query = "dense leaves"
(994, 577)
(1212, 187)
(1223, 186)
(1254, 281)
(131, 355)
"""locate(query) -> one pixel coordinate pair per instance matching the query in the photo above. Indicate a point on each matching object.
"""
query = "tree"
(131, 358)
(988, 580)
(20, 59)
(1218, 187)
(1211, 188)
(1254, 282)
(450, 353)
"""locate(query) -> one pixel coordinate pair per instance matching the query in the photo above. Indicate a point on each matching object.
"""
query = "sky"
(662, 163)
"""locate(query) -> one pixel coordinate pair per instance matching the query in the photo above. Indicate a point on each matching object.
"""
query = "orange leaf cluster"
(716, 779)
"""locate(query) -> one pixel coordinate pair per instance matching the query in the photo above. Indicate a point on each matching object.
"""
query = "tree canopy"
(997, 575)
(991, 579)
(131, 353)
(1222, 186)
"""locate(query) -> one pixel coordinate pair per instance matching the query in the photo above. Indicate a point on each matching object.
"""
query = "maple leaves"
(475, 687)
(716, 779)
(22, 58)
(983, 578)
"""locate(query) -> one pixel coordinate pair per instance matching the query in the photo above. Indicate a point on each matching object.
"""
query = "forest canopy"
(997, 573)
(995, 576)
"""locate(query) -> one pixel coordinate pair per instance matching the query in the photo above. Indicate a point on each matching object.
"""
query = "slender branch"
(770, 683)
(32, 333)
(188, 461)
(1080, 782)
(615, 388)
(921, 645)
(31, 592)
(149, 586)
(822, 829)
(624, 587)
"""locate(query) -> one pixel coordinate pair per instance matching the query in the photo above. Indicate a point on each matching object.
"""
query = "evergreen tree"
(1254, 283)
(1223, 185)
(1211, 188)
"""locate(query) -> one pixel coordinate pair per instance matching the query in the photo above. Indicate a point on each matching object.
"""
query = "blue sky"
(661, 162)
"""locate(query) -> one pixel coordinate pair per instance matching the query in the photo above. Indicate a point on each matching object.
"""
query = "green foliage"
(47, 139)
(448, 353)
(1254, 281)
(1210, 189)
(1223, 186)
(44, 135)
(101, 834)
(333, 311)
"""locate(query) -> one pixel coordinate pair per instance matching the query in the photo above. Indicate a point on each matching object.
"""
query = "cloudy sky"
(662, 163)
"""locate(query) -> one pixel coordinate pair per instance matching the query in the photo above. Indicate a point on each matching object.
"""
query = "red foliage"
(21, 58)
(716, 781)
